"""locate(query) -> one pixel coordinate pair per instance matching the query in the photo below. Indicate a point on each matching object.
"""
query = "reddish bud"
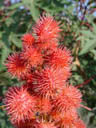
(28, 40)
(16, 65)
(20, 105)
(47, 29)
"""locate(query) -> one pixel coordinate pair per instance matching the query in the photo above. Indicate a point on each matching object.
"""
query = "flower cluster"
(46, 99)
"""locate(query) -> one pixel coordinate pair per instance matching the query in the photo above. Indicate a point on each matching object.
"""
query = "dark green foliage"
(79, 35)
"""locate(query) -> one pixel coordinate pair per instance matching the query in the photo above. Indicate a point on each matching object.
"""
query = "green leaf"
(5, 40)
(88, 46)
(88, 40)
(5, 52)
(33, 8)
(34, 11)
(16, 41)
(88, 34)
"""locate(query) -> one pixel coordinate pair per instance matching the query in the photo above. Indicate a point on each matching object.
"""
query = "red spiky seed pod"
(16, 65)
(43, 105)
(28, 77)
(29, 124)
(47, 125)
(46, 101)
(59, 58)
(19, 104)
(65, 119)
(47, 46)
(69, 97)
(47, 29)
(28, 40)
(50, 81)
(32, 56)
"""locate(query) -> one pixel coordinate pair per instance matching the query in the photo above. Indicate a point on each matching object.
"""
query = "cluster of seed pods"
(46, 99)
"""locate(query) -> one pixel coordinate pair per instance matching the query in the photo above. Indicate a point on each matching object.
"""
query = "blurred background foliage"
(79, 35)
